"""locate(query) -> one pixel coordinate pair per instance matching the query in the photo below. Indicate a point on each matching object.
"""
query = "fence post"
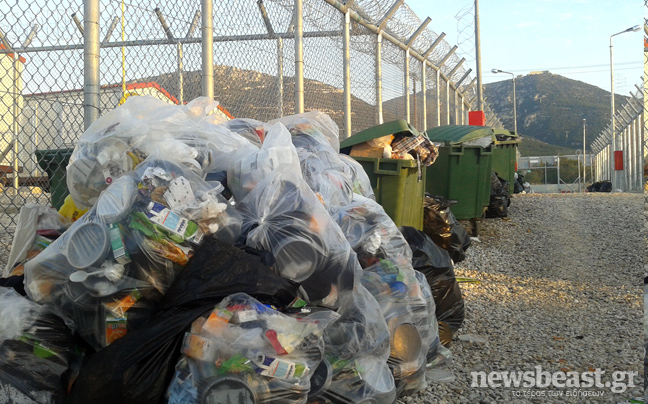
(346, 72)
(639, 148)
(91, 46)
(406, 89)
(15, 117)
(180, 69)
(280, 75)
(424, 88)
(463, 113)
(456, 107)
(447, 100)
(436, 94)
(379, 77)
(299, 57)
(207, 48)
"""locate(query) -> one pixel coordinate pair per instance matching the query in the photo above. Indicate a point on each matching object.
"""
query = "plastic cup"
(227, 389)
(321, 378)
(88, 245)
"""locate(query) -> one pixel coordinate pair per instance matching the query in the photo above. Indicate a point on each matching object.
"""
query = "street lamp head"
(634, 29)
(495, 71)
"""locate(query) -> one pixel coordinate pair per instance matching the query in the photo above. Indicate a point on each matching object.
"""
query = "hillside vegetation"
(551, 108)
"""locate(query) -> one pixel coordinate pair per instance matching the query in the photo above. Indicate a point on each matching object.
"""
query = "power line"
(577, 72)
(577, 67)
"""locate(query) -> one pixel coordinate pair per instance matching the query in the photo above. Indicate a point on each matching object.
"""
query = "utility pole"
(480, 95)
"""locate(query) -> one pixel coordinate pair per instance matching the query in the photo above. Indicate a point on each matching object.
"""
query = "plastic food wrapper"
(283, 216)
(361, 184)
(69, 210)
(26, 243)
(104, 275)
(436, 265)
(250, 168)
(39, 356)
(314, 123)
(356, 352)
(138, 368)
(441, 225)
(405, 309)
(371, 232)
(245, 350)
(143, 126)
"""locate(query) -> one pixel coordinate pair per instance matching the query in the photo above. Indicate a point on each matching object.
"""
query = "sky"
(566, 37)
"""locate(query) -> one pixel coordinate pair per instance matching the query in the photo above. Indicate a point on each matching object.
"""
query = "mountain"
(534, 147)
(250, 94)
(551, 108)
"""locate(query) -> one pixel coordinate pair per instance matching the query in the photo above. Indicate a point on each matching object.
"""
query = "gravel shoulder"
(560, 288)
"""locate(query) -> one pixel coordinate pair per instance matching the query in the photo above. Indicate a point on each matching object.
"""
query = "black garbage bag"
(500, 199)
(436, 265)
(600, 186)
(17, 282)
(38, 353)
(138, 367)
(518, 185)
(444, 229)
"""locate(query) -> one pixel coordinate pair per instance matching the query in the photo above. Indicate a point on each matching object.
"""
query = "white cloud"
(564, 16)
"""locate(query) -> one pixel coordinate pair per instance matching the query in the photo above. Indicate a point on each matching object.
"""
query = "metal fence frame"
(379, 55)
(392, 30)
(629, 128)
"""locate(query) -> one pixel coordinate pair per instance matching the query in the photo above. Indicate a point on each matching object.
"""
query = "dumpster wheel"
(474, 227)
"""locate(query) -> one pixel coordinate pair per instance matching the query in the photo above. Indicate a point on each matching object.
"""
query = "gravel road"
(561, 289)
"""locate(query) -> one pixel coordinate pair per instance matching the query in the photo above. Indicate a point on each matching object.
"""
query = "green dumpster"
(505, 155)
(54, 162)
(399, 185)
(463, 169)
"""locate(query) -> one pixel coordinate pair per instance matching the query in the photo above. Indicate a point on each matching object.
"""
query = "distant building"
(11, 87)
(539, 72)
(54, 120)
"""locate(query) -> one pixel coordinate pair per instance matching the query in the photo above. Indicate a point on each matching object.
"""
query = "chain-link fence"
(554, 174)
(372, 62)
(619, 148)
(645, 99)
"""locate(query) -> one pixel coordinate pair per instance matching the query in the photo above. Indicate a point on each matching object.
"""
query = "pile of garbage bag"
(600, 186)
(500, 198)
(435, 264)
(443, 228)
(39, 356)
(238, 260)
(520, 186)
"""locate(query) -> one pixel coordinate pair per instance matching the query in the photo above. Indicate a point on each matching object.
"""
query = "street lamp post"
(514, 101)
(615, 183)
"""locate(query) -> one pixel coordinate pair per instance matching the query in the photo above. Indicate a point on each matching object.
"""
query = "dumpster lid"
(503, 136)
(388, 128)
(454, 134)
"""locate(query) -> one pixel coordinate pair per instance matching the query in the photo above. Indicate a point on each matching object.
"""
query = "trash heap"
(500, 198)
(239, 260)
(445, 230)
